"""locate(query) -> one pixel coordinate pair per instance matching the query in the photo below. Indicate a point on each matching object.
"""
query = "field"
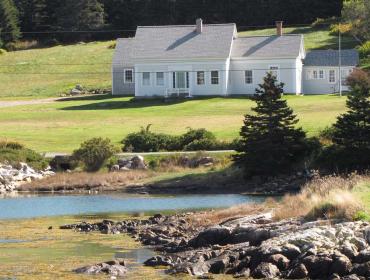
(61, 126)
(48, 72)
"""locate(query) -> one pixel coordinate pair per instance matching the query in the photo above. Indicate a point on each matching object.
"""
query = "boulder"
(158, 261)
(138, 162)
(341, 265)
(363, 256)
(367, 235)
(113, 268)
(215, 235)
(362, 269)
(265, 270)
(317, 266)
(280, 261)
(298, 272)
(218, 265)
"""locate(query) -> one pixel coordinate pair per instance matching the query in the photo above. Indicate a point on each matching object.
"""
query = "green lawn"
(50, 80)
(63, 125)
(45, 80)
(315, 38)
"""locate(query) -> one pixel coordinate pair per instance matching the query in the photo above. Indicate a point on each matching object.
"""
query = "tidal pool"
(57, 205)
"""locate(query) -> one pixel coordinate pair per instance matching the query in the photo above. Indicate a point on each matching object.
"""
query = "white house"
(210, 59)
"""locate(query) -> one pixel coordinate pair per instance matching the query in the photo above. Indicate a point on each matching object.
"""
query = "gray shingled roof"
(331, 58)
(267, 46)
(123, 54)
(166, 42)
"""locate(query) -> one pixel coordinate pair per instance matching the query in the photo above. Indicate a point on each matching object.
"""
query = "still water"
(56, 205)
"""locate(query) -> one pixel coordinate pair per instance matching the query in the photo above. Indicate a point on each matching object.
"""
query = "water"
(44, 206)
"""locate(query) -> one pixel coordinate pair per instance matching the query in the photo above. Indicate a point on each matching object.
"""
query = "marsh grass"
(87, 181)
(329, 197)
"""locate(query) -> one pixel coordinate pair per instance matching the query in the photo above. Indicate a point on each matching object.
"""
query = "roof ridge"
(284, 35)
(183, 25)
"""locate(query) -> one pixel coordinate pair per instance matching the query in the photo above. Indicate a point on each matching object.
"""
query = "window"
(345, 74)
(160, 79)
(331, 76)
(129, 76)
(215, 79)
(274, 70)
(248, 77)
(146, 79)
(321, 74)
(314, 74)
(200, 78)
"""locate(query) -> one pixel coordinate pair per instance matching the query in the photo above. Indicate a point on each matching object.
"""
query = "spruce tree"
(80, 15)
(9, 22)
(33, 14)
(270, 142)
(352, 129)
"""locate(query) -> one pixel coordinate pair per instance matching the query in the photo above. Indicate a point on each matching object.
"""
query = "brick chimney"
(199, 23)
(279, 28)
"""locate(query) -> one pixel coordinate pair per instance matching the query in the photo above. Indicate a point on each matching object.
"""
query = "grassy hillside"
(61, 126)
(96, 71)
(315, 38)
(49, 80)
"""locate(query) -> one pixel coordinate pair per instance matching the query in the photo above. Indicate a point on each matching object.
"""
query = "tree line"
(24, 16)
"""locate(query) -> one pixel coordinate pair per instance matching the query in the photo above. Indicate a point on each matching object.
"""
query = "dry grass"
(87, 181)
(330, 197)
(326, 197)
(218, 216)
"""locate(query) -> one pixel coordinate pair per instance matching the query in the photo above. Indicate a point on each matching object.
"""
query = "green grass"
(25, 86)
(314, 37)
(61, 126)
(62, 77)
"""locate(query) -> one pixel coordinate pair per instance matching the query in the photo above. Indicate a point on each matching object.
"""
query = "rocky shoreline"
(13, 177)
(253, 246)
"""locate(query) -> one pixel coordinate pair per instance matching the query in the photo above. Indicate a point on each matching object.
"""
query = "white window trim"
(218, 77)
(124, 75)
(323, 74)
(245, 78)
(335, 76)
(277, 71)
(156, 79)
(204, 78)
(142, 79)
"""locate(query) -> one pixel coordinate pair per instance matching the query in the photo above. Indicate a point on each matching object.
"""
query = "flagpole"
(340, 63)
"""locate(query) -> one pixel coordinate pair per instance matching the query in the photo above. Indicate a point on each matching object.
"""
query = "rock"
(280, 261)
(363, 256)
(158, 261)
(79, 87)
(349, 250)
(265, 270)
(361, 269)
(341, 265)
(211, 236)
(75, 92)
(367, 235)
(138, 162)
(350, 277)
(115, 168)
(298, 272)
(290, 251)
(218, 265)
(113, 268)
(317, 266)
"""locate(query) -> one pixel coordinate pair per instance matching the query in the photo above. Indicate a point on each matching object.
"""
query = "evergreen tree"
(33, 14)
(352, 129)
(80, 15)
(9, 22)
(270, 143)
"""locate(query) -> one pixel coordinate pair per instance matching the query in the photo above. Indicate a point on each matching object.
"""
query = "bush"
(14, 153)
(94, 153)
(326, 135)
(192, 140)
(147, 141)
(364, 50)
(2, 51)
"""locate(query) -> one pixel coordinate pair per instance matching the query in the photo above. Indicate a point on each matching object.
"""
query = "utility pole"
(340, 63)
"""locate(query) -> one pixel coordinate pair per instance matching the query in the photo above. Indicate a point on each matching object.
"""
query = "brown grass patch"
(87, 181)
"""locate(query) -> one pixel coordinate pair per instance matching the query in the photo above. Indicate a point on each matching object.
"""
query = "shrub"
(94, 153)
(319, 22)
(344, 28)
(364, 50)
(196, 135)
(147, 141)
(112, 45)
(2, 51)
(14, 153)
(326, 135)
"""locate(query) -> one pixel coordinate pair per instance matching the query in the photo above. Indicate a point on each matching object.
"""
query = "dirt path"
(5, 104)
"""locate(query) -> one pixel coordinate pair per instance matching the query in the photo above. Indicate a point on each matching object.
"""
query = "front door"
(181, 79)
